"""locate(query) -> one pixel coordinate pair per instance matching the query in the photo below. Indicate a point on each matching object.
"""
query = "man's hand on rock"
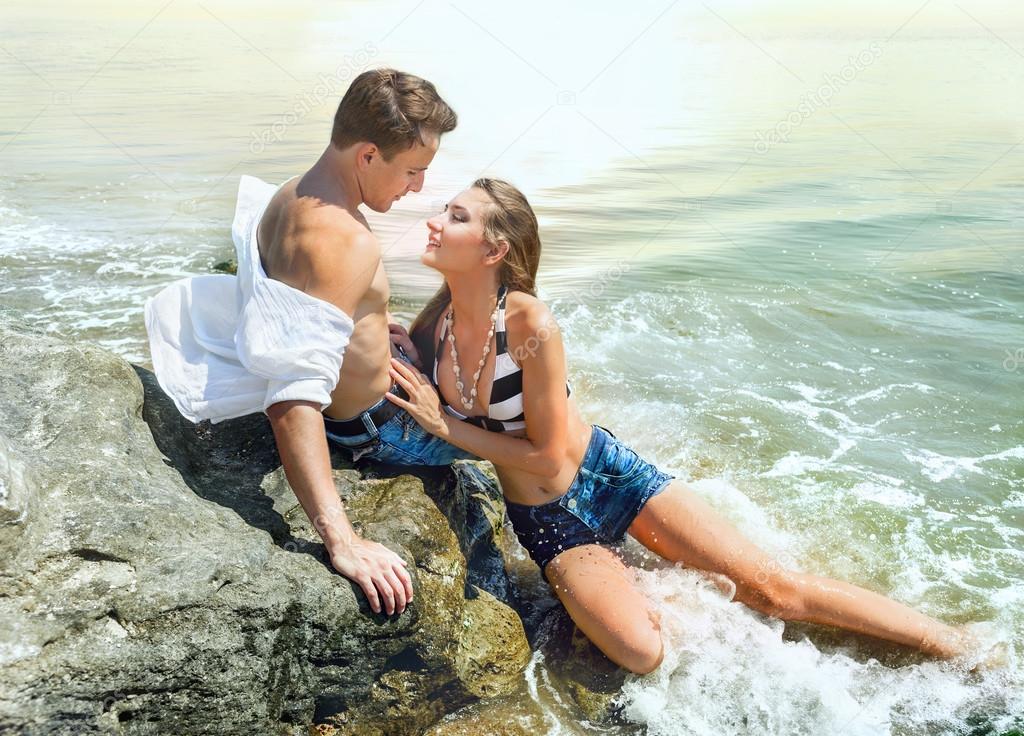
(377, 570)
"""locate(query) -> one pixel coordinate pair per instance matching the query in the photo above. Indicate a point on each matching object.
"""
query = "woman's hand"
(424, 405)
(400, 338)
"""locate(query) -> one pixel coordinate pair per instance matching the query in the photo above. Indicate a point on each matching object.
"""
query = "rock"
(490, 632)
(160, 577)
(507, 715)
(17, 494)
(592, 680)
(572, 682)
(472, 495)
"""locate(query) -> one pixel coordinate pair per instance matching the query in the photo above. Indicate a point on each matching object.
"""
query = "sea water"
(785, 251)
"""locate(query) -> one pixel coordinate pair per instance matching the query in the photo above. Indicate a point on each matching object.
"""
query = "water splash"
(728, 669)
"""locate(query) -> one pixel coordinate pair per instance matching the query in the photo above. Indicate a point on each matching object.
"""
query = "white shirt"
(225, 346)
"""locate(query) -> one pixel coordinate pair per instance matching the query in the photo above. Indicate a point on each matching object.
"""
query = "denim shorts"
(611, 486)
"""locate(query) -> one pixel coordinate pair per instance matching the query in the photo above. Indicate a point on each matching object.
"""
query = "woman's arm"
(536, 344)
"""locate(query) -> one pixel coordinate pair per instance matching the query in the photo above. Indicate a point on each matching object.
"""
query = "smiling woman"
(573, 491)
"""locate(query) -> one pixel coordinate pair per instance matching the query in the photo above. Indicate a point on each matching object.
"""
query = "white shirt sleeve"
(296, 344)
(225, 346)
(191, 325)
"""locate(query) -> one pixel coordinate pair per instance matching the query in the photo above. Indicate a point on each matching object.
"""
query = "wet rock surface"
(160, 577)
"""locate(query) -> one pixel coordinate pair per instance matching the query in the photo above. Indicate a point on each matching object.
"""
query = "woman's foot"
(995, 657)
(975, 645)
(986, 650)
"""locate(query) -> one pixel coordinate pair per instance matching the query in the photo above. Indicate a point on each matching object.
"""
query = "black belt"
(355, 426)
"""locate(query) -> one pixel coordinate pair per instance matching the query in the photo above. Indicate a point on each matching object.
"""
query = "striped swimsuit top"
(505, 412)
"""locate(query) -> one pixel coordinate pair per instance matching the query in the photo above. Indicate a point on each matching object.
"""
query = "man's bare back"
(308, 242)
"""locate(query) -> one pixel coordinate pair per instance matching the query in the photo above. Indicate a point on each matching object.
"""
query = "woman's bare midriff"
(532, 490)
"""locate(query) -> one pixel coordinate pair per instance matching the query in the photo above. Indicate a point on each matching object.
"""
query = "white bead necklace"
(469, 403)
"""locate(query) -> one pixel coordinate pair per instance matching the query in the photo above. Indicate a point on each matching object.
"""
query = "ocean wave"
(938, 467)
(728, 669)
(70, 283)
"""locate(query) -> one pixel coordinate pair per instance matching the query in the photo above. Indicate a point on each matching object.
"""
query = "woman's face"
(455, 241)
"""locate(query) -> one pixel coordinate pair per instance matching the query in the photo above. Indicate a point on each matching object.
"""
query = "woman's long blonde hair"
(509, 218)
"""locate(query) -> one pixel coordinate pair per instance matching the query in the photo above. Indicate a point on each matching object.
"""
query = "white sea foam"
(26, 234)
(813, 415)
(809, 393)
(884, 391)
(1014, 501)
(727, 669)
(887, 494)
(835, 366)
(69, 282)
(938, 467)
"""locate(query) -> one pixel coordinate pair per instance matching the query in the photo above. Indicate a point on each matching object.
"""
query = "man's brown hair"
(392, 110)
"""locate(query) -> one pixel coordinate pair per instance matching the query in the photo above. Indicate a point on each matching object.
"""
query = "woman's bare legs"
(595, 587)
(680, 526)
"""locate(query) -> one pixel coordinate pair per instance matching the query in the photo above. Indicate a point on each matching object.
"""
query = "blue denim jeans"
(399, 441)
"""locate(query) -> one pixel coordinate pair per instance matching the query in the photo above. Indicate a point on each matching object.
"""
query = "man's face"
(385, 182)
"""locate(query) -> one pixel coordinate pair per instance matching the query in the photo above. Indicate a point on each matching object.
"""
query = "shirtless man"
(313, 238)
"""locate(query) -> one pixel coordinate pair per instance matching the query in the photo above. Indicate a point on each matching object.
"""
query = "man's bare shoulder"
(324, 230)
(316, 240)
(337, 255)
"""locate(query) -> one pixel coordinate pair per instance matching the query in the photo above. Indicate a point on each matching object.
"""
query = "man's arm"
(302, 444)
(341, 274)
